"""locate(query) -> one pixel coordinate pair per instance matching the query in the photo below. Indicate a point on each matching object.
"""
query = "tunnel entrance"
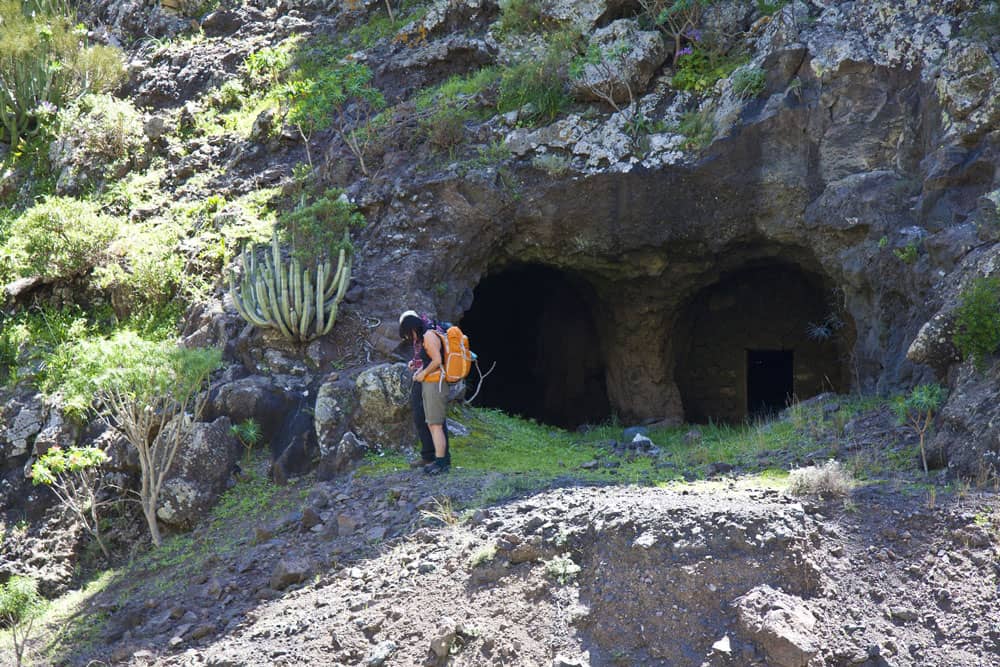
(770, 384)
(757, 338)
(537, 324)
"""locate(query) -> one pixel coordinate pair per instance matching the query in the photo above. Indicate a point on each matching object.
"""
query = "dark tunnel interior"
(757, 339)
(537, 324)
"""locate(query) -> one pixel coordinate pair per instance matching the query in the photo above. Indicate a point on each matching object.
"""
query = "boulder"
(340, 458)
(201, 470)
(254, 397)
(642, 52)
(294, 447)
(58, 431)
(383, 415)
(290, 570)
(933, 345)
(335, 402)
(969, 433)
(780, 624)
(24, 417)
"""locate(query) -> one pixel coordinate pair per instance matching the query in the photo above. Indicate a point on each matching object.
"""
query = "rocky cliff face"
(830, 213)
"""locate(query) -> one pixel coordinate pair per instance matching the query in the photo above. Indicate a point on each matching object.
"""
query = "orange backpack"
(456, 357)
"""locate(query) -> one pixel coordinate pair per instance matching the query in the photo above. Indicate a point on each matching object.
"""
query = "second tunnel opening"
(537, 323)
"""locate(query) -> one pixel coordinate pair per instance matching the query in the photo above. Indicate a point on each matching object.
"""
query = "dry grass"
(829, 480)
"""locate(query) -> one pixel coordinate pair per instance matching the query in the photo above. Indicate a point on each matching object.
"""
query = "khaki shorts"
(435, 401)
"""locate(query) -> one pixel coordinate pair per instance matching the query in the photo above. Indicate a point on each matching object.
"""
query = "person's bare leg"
(440, 443)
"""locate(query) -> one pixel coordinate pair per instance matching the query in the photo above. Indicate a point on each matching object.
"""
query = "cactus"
(281, 295)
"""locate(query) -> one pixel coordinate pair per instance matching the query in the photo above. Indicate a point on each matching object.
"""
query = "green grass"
(379, 26)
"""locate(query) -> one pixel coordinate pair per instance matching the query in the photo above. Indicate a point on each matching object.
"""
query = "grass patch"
(66, 623)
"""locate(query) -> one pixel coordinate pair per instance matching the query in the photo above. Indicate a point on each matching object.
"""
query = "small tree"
(20, 605)
(676, 18)
(149, 391)
(917, 411)
(74, 475)
(248, 432)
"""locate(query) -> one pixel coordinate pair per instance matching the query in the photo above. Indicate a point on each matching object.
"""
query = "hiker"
(429, 395)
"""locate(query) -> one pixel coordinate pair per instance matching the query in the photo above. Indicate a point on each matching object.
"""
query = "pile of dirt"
(383, 572)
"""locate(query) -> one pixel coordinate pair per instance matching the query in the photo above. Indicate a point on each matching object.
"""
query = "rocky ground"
(389, 570)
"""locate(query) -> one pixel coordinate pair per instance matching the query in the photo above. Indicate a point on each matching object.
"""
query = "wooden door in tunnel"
(537, 325)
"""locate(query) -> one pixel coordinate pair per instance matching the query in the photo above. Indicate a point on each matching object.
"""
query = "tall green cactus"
(281, 294)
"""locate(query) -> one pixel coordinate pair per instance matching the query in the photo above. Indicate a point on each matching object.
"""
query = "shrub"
(74, 475)
(248, 432)
(316, 229)
(978, 320)
(145, 270)
(562, 569)
(536, 87)
(520, 16)
(149, 391)
(445, 128)
(20, 606)
(59, 237)
(917, 410)
(698, 69)
(698, 129)
(551, 163)
(483, 555)
(749, 82)
(44, 60)
(830, 480)
(676, 18)
(100, 138)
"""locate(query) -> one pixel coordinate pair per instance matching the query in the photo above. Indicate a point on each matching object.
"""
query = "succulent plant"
(278, 293)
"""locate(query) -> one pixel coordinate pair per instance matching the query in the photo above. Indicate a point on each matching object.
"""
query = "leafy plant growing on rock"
(20, 606)
(323, 94)
(60, 237)
(917, 410)
(45, 62)
(749, 82)
(536, 88)
(248, 432)
(978, 320)
(149, 391)
(603, 73)
(676, 18)
(562, 569)
(74, 475)
(697, 128)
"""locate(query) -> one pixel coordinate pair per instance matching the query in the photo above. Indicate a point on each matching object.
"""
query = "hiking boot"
(437, 467)
(420, 463)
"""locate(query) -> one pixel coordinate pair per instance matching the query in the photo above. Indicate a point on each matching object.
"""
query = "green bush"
(917, 409)
(749, 82)
(697, 128)
(29, 336)
(44, 62)
(316, 229)
(20, 606)
(536, 87)
(520, 17)
(59, 237)
(678, 19)
(700, 69)
(140, 367)
(445, 128)
(99, 138)
(978, 320)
